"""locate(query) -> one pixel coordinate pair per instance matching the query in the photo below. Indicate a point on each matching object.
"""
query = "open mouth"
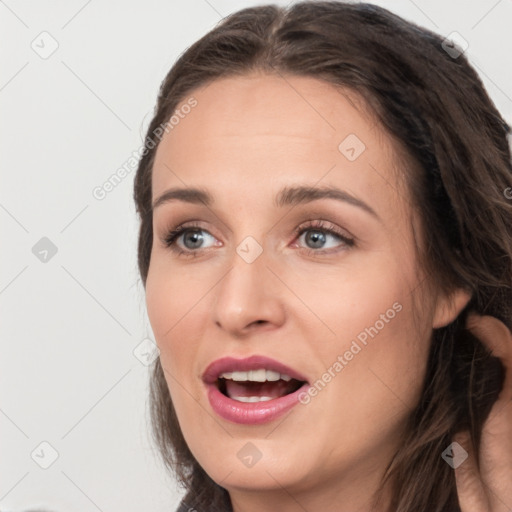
(259, 385)
(252, 390)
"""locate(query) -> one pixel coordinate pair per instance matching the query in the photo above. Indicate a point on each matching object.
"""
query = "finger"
(498, 338)
(470, 489)
(496, 457)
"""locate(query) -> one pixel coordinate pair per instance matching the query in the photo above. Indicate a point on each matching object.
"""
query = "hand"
(490, 489)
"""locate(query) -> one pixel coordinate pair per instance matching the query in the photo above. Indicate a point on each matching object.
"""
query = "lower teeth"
(251, 398)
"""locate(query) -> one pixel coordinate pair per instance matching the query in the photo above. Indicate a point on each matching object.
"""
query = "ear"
(448, 307)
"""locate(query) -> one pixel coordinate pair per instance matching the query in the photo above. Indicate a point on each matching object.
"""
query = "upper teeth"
(260, 375)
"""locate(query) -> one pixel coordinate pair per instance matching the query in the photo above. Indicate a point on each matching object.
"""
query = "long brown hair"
(458, 168)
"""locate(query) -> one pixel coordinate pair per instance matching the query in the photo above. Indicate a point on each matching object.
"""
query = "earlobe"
(448, 307)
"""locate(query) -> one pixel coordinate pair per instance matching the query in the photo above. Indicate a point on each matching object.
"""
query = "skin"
(488, 489)
(246, 139)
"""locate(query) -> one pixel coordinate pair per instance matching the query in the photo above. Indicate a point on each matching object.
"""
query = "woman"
(325, 245)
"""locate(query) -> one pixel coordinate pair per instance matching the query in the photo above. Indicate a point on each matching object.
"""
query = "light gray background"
(70, 325)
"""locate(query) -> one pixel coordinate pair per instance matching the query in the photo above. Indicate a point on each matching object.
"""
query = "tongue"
(274, 389)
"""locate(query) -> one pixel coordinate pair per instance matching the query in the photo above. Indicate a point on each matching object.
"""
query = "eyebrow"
(288, 196)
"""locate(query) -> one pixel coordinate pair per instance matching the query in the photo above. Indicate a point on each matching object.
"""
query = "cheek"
(174, 336)
(350, 299)
(169, 305)
(392, 362)
(370, 316)
(159, 303)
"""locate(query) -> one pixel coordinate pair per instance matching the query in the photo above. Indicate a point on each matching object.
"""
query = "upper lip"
(255, 362)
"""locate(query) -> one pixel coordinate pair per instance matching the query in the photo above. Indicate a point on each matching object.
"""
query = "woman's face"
(320, 285)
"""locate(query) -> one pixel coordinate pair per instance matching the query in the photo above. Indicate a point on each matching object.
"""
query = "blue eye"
(319, 237)
(194, 234)
(319, 233)
(197, 239)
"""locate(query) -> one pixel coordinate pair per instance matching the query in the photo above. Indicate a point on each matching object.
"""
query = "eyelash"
(169, 239)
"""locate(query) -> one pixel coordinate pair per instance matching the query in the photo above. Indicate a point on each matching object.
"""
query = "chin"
(251, 463)
(261, 477)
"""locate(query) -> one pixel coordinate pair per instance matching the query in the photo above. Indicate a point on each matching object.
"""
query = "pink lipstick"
(253, 390)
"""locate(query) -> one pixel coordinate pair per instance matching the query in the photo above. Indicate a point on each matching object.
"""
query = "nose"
(249, 296)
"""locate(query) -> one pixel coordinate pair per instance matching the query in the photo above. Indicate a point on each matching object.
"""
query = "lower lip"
(251, 413)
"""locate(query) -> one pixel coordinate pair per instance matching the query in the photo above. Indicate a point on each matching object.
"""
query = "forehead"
(257, 130)
(261, 104)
